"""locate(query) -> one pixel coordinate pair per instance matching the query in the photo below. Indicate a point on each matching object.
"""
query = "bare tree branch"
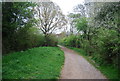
(50, 17)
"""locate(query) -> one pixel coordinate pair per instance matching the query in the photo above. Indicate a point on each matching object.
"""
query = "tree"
(50, 17)
(82, 25)
(80, 9)
(79, 12)
(72, 21)
(108, 16)
(15, 16)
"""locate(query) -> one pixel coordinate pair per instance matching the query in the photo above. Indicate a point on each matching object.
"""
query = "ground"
(76, 67)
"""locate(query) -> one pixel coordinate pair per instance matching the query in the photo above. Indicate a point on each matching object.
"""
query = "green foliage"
(72, 15)
(35, 37)
(103, 46)
(24, 39)
(103, 40)
(72, 41)
(81, 24)
(81, 51)
(36, 63)
(51, 40)
(19, 28)
(15, 15)
(17, 18)
(108, 16)
(110, 72)
(107, 42)
(29, 38)
(86, 46)
(100, 38)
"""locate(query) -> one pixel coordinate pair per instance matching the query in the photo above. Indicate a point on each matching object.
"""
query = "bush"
(30, 38)
(51, 40)
(72, 41)
(23, 39)
(87, 47)
(107, 42)
(103, 47)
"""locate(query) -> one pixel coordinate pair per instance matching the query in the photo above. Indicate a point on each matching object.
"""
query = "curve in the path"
(76, 67)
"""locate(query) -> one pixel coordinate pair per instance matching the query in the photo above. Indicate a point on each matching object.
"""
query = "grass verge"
(35, 63)
(109, 71)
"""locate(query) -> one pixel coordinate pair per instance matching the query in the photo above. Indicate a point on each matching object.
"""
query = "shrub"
(23, 39)
(72, 41)
(86, 46)
(107, 42)
(28, 39)
(51, 40)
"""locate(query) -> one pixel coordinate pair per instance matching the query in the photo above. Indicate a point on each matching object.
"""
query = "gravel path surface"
(76, 67)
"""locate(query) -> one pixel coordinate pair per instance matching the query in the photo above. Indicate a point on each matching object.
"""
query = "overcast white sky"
(67, 5)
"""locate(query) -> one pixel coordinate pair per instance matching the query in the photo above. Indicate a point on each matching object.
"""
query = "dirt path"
(76, 67)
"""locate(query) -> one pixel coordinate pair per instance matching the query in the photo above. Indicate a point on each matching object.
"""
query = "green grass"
(109, 71)
(35, 63)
